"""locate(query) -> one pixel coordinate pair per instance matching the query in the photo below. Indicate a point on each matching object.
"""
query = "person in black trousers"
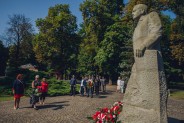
(97, 84)
(73, 82)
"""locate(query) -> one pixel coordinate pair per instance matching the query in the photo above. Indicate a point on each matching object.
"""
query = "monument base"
(146, 93)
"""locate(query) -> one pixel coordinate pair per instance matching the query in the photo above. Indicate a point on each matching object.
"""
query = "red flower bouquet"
(106, 115)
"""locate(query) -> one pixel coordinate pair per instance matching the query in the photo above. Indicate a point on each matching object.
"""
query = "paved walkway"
(69, 109)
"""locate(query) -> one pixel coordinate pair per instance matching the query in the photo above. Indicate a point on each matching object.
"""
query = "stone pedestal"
(146, 95)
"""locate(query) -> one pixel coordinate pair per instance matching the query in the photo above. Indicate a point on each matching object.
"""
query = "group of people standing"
(39, 91)
(89, 85)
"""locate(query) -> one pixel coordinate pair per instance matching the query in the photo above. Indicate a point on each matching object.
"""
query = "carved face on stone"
(138, 10)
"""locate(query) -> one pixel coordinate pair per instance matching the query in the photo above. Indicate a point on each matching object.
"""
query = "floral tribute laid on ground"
(108, 115)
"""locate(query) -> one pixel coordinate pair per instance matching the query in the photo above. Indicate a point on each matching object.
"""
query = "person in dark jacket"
(73, 82)
(18, 90)
(97, 84)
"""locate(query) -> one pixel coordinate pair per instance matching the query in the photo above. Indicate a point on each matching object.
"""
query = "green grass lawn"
(178, 95)
(6, 97)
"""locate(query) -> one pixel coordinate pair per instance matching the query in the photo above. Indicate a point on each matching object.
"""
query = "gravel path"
(175, 110)
(70, 109)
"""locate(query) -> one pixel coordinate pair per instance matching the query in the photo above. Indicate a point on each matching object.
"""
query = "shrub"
(60, 87)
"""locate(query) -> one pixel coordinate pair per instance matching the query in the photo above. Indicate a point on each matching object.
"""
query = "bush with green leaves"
(60, 87)
(56, 87)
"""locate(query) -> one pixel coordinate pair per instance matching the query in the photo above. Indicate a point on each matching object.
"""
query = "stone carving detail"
(146, 96)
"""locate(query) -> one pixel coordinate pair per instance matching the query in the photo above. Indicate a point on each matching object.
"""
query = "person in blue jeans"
(73, 82)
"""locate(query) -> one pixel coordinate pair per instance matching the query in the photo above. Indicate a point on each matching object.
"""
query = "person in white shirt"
(118, 84)
(82, 85)
(103, 83)
(122, 86)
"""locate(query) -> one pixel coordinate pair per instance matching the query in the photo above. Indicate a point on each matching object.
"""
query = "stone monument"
(145, 99)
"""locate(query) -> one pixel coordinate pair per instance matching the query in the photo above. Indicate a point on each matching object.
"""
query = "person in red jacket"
(44, 90)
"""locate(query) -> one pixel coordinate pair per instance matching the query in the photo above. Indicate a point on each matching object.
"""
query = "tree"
(165, 46)
(177, 39)
(3, 57)
(156, 5)
(177, 44)
(57, 42)
(115, 54)
(20, 34)
(97, 16)
(177, 30)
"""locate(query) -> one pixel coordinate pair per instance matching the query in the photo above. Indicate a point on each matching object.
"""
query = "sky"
(35, 9)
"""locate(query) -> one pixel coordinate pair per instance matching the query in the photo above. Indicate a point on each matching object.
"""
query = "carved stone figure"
(146, 95)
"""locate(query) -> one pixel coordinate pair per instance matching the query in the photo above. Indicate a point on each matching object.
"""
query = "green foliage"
(5, 98)
(28, 76)
(98, 16)
(3, 57)
(177, 39)
(115, 54)
(177, 6)
(12, 72)
(59, 87)
(153, 5)
(89, 118)
(103, 45)
(56, 45)
(7, 81)
(56, 87)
